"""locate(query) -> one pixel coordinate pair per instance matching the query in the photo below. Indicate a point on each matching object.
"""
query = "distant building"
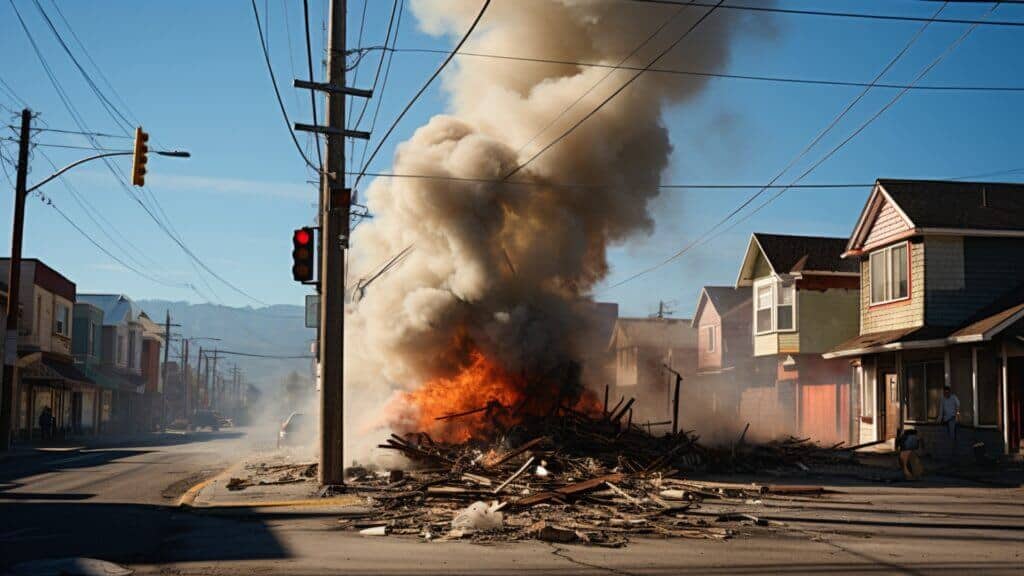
(46, 375)
(643, 348)
(119, 373)
(724, 350)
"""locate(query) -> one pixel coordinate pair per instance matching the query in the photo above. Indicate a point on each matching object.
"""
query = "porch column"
(1006, 397)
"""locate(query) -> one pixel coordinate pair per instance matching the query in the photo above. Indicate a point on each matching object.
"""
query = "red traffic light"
(302, 254)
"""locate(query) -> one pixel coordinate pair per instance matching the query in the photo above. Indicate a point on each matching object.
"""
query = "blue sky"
(194, 74)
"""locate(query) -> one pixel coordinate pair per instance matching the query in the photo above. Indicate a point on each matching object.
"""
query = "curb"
(189, 497)
(307, 503)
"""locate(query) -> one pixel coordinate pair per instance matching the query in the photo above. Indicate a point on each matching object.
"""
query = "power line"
(277, 92)
(76, 117)
(95, 215)
(384, 84)
(312, 93)
(79, 132)
(541, 184)
(699, 74)
(601, 80)
(46, 200)
(611, 96)
(14, 95)
(707, 236)
(270, 356)
(420, 92)
(373, 88)
(852, 15)
(112, 110)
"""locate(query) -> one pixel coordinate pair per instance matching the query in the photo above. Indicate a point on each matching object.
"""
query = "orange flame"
(481, 385)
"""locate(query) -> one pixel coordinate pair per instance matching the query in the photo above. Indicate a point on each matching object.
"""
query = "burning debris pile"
(573, 478)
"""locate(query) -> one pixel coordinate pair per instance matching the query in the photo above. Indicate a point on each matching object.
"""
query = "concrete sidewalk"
(263, 480)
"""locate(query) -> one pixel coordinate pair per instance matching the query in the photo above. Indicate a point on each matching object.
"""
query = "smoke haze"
(508, 267)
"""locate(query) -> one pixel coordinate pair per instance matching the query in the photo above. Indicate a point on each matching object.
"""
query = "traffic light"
(140, 155)
(302, 255)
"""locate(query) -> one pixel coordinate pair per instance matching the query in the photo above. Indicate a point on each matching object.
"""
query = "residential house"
(724, 349)
(643, 348)
(153, 336)
(805, 301)
(942, 302)
(120, 369)
(46, 376)
(86, 348)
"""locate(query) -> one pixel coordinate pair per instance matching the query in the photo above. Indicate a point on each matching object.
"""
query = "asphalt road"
(117, 504)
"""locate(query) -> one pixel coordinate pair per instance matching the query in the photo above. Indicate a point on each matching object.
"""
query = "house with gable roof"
(804, 301)
(941, 303)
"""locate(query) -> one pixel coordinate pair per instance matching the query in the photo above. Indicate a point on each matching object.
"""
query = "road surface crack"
(563, 554)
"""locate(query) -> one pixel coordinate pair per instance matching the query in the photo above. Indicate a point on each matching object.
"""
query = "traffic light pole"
(8, 395)
(335, 202)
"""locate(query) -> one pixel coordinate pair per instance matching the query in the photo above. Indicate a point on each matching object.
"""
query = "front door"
(892, 405)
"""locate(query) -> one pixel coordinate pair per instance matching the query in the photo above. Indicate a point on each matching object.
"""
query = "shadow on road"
(128, 533)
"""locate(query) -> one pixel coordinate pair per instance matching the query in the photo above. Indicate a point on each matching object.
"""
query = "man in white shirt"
(949, 414)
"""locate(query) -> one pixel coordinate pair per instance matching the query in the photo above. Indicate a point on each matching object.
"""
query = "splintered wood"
(573, 478)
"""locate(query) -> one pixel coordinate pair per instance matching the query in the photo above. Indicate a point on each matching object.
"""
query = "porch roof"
(1003, 313)
(52, 370)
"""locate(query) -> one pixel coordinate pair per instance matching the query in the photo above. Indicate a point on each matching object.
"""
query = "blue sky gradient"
(194, 74)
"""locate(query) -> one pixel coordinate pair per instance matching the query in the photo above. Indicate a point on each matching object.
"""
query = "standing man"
(949, 416)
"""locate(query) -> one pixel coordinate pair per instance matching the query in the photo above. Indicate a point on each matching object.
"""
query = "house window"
(889, 278)
(785, 294)
(61, 324)
(710, 336)
(764, 309)
(924, 390)
(775, 307)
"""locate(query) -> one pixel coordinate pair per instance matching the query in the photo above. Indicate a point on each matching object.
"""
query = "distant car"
(208, 419)
(296, 430)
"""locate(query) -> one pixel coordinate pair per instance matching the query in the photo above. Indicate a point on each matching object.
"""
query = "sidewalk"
(262, 480)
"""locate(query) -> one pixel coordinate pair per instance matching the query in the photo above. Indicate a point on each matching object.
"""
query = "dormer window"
(889, 273)
(774, 306)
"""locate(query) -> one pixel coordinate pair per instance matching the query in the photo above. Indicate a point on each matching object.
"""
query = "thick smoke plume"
(503, 269)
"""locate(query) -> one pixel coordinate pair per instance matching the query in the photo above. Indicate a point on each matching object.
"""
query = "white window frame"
(774, 283)
(61, 322)
(888, 286)
(710, 333)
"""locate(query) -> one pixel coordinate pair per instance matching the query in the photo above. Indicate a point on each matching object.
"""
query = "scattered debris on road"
(575, 479)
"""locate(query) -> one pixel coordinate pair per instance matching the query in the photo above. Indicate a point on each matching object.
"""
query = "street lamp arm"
(171, 153)
(72, 165)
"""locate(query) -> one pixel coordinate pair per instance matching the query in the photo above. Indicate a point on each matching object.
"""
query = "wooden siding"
(887, 225)
(897, 315)
(983, 268)
(789, 343)
(709, 317)
(826, 318)
(766, 344)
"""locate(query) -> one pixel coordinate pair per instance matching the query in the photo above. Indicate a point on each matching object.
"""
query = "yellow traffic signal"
(140, 156)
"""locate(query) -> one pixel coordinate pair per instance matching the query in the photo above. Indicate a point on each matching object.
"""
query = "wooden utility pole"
(186, 380)
(163, 369)
(211, 391)
(335, 202)
(8, 395)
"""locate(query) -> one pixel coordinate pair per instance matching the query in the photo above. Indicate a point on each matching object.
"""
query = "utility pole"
(186, 380)
(211, 392)
(163, 370)
(8, 394)
(198, 400)
(335, 204)
(335, 201)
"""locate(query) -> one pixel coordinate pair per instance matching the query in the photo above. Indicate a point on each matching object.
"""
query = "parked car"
(296, 430)
(209, 419)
